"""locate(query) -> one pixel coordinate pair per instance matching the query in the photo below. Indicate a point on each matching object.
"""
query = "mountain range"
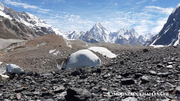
(37, 27)
(99, 33)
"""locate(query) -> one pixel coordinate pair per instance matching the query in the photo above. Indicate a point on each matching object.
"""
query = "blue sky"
(143, 15)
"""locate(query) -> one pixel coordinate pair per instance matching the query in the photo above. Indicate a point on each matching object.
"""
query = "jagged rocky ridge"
(143, 71)
(169, 35)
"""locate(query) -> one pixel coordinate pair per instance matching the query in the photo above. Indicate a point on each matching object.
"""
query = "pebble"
(170, 66)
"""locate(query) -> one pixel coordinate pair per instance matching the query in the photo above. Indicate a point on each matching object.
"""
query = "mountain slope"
(87, 37)
(33, 22)
(11, 29)
(170, 33)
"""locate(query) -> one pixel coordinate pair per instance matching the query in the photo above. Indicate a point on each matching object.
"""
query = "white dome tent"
(81, 58)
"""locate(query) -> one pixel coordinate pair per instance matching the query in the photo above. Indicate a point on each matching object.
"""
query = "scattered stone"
(77, 94)
(1, 84)
(19, 90)
(95, 89)
(106, 76)
(144, 79)
(128, 81)
(152, 72)
(75, 73)
(165, 74)
(49, 100)
(137, 75)
(145, 50)
(18, 96)
(119, 77)
(58, 89)
(178, 90)
(37, 93)
(160, 65)
(122, 62)
(104, 89)
(170, 66)
(130, 99)
(170, 63)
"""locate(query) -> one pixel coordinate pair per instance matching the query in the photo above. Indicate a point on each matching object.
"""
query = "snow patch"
(56, 53)
(52, 51)
(103, 51)
(13, 68)
(41, 44)
(1, 63)
(5, 15)
(68, 43)
(177, 42)
(82, 58)
(157, 46)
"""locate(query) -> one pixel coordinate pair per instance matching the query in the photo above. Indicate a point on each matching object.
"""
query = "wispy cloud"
(116, 4)
(26, 6)
(158, 25)
(143, 1)
(55, 1)
(69, 22)
(154, 0)
(159, 9)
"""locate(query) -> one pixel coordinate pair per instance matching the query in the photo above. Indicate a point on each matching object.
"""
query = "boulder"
(12, 68)
(82, 58)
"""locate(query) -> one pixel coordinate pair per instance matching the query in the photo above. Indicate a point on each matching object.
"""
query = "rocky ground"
(150, 74)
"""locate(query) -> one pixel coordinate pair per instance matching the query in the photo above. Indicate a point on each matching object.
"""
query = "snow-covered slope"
(170, 33)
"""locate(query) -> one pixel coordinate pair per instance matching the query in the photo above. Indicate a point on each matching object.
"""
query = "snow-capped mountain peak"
(134, 33)
(99, 32)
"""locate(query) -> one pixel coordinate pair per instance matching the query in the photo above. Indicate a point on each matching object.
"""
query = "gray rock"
(77, 94)
(170, 66)
(104, 89)
(129, 99)
(59, 88)
(144, 79)
(127, 81)
(152, 72)
(163, 74)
